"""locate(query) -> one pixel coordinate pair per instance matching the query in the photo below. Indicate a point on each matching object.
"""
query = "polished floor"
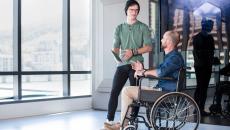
(77, 120)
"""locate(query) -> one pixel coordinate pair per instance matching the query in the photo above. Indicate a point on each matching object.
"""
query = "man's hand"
(128, 54)
(137, 66)
(138, 73)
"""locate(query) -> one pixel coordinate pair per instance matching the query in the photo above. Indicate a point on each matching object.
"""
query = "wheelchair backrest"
(181, 80)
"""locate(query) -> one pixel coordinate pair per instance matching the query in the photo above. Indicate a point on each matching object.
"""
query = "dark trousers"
(203, 75)
(122, 74)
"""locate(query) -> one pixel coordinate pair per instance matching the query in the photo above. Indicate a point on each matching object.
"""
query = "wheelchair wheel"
(130, 127)
(226, 110)
(226, 114)
(174, 111)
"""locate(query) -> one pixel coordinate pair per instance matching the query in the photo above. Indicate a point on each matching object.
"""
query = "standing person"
(131, 40)
(203, 52)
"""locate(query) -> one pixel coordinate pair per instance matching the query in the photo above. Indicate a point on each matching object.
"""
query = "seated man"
(170, 67)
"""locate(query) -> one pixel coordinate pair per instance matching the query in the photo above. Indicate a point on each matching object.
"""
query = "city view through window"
(42, 48)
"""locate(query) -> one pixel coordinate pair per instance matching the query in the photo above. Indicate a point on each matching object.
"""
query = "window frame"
(17, 72)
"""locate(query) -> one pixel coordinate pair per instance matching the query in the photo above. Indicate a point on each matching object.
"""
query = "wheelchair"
(222, 89)
(224, 109)
(164, 110)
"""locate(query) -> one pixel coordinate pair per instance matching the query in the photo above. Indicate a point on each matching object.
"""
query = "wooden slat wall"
(178, 25)
(195, 27)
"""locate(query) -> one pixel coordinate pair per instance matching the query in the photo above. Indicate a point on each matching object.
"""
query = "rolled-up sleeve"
(147, 36)
(169, 66)
(116, 38)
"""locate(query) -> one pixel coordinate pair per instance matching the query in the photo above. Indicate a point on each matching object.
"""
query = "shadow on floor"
(215, 120)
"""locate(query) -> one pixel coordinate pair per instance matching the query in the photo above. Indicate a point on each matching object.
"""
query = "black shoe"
(204, 113)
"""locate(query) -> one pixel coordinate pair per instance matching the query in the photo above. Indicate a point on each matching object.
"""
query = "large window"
(80, 84)
(6, 88)
(45, 49)
(42, 35)
(6, 47)
(41, 86)
(80, 35)
(80, 46)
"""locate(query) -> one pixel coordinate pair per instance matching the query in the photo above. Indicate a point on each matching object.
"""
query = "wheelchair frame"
(224, 109)
(170, 110)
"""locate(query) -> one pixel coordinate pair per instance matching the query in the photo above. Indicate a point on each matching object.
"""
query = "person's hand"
(138, 73)
(128, 54)
(137, 66)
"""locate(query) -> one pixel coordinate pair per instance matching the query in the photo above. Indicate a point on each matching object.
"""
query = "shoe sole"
(108, 126)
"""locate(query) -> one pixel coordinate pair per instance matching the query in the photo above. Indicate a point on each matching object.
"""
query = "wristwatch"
(143, 73)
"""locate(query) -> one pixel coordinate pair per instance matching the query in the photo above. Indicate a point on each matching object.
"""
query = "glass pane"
(6, 35)
(6, 88)
(153, 17)
(41, 86)
(81, 84)
(80, 35)
(190, 75)
(41, 35)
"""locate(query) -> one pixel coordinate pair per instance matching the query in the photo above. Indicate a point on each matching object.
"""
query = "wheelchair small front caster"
(130, 127)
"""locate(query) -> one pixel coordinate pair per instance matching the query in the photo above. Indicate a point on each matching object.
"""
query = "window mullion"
(17, 48)
(66, 47)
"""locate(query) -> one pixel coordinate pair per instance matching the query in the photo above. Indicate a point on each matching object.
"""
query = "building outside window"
(42, 72)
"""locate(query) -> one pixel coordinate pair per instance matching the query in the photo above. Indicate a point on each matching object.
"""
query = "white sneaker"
(107, 122)
(111, 125)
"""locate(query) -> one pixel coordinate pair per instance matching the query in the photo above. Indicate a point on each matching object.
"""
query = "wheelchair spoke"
(161, 117)
(163, 106)
(169, 102)
(181, 105)
(184, 109)
(187, 116)
(170, 123)
(181, 102)
(174, 111)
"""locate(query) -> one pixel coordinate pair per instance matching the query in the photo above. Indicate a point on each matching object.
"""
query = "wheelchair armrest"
(140, 78)
(179, 80)
(154, 78)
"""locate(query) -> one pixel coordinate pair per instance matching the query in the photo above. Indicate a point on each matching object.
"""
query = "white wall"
(109, 13)
(8, 111)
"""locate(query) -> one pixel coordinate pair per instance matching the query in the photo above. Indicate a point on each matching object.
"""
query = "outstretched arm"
(140, 71)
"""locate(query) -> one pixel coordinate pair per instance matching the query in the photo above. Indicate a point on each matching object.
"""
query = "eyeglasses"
(133, 10)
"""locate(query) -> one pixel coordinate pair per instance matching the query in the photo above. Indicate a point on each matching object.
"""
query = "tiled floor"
(77, 120)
